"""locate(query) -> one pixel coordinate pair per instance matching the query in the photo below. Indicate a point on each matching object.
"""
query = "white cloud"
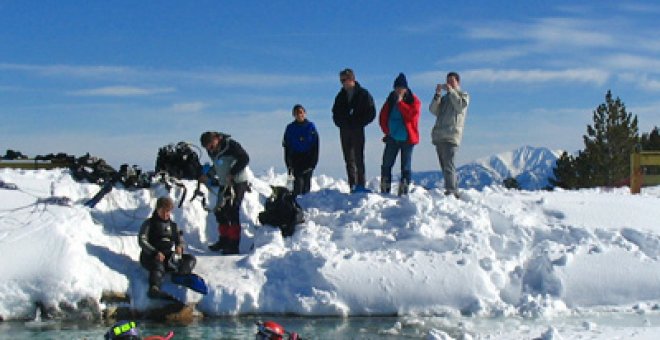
(421, 28)
(188, 107)
(256, 79)
(226, 78)
(565, 32)
(495, 31)
(569, 32)
(586, 75)
(631, 62)
(639, 8)
(487, 56)
(11, 89)
(122, 91)
(68, 70)
(651, 84)
(559, 40)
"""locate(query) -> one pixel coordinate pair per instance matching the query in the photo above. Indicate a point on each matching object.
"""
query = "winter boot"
(288, 230)
(385, 185)
(220, 245)
(403, 188)
(232, 247)
(155, 280)
(153, 292)
(186, 264)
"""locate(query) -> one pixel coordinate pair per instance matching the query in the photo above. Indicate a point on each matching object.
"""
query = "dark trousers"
(228, 217)
(229, 211)
(302, 182)
(157, 269)
(352, 145)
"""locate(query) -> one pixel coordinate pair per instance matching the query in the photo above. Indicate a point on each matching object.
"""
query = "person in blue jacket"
(301, 150)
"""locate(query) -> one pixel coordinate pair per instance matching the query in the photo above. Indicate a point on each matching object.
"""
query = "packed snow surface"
(493, 252)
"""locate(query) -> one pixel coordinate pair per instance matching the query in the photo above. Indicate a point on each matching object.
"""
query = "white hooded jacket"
(450, 111)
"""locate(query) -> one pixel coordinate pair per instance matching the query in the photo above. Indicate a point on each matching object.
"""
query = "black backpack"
(281, 210)
(93, 170)
(179, 161)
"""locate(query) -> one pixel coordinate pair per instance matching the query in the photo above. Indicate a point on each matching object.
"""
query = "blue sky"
(119, 79)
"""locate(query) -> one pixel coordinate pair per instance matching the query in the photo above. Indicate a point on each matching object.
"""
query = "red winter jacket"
(409, 111)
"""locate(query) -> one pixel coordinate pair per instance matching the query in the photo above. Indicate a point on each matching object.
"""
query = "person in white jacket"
(450, 110)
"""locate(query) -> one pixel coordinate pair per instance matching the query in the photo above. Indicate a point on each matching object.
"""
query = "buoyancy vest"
(223, 162)
(163, 235)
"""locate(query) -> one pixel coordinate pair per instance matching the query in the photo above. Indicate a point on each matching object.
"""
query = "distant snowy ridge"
(530, 166)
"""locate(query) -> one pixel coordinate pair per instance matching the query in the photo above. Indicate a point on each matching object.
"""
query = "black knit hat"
(401, 81)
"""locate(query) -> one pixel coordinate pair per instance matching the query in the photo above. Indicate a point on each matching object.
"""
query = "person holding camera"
(450, 110)
(399, 120)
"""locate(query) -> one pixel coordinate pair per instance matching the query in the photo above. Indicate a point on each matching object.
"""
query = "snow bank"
(495, 252)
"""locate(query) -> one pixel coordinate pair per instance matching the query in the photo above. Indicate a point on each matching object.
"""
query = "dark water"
(349, 328)
(223, 328)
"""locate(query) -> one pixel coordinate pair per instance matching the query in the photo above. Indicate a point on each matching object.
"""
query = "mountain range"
(530, 166)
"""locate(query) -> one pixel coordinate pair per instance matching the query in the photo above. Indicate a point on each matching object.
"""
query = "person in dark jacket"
(301, 150)
(230, 170)
(161, 243)
(399, 120)
(353, 110)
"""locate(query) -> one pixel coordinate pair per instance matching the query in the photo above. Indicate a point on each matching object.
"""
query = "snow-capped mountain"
(530, 166)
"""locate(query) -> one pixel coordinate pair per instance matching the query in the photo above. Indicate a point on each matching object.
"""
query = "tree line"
(608, 144)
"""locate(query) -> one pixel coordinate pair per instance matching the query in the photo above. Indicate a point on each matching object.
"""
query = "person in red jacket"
(399, 120)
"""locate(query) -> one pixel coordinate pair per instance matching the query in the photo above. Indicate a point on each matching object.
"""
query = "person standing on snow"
(399, 120)
(160, 240)
(229, 167)
(450, 110)
(352, 111)
(301, 150)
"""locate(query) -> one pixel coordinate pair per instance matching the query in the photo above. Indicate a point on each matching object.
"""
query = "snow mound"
(494, 252)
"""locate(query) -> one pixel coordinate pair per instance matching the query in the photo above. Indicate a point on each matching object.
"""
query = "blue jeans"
(392, 148)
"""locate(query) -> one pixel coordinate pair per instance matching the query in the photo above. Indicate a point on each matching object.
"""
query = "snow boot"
(154, 292)
(232, 247)
(220, 245)
(186, 264)
(403, 188)
(385, 185)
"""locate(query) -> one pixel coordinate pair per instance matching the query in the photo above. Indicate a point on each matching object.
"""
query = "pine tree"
(565, 173)
(608, 144)
(511, 183)
(585, 171)
(651, 141)
(605, 160)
